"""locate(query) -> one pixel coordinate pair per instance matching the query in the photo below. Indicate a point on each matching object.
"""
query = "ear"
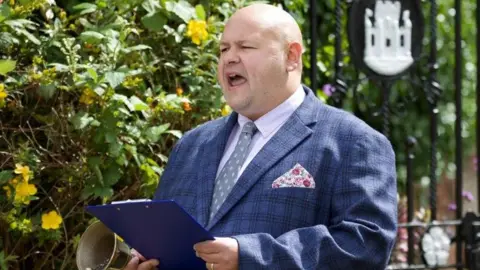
(294, 56)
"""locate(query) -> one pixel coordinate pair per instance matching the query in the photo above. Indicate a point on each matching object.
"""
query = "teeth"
(232, 76)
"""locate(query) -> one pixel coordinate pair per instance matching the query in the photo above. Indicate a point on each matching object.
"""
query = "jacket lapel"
(292, 133)
(212, 151)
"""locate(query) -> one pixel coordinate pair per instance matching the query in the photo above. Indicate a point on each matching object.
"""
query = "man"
(284, 182)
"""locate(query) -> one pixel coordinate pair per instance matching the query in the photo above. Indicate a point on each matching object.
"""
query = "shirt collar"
(276, 117)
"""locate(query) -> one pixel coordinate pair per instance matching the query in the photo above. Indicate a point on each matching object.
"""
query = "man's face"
(252, 67)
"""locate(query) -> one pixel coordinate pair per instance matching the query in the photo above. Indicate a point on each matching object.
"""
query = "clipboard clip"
(131, 201)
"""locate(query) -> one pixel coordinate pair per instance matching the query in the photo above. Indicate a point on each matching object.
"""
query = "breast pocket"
(285, 209)
(293, 196)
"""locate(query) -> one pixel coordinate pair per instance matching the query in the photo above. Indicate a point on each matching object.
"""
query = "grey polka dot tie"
(226, 179)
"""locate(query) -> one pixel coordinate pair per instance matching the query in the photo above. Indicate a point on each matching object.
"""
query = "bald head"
(272, 20)
(260, 62)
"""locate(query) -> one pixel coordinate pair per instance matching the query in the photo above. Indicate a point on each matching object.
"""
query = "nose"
(231, 56)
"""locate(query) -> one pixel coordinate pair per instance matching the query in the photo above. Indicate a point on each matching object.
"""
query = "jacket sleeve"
(169, 171)
(362, 225)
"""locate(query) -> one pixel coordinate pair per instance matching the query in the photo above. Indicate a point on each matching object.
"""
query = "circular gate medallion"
(385, 35)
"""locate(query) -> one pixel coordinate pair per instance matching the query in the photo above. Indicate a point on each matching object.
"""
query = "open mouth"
(235, 79)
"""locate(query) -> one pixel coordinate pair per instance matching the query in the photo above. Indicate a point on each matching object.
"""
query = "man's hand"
(135, 264)
(219, 254)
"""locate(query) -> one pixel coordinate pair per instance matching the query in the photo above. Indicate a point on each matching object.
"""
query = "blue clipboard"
(156, 229)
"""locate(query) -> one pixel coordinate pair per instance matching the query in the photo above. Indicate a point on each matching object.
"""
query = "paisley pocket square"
(298, 176)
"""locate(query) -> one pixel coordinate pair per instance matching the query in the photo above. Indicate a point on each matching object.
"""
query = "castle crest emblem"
(390, 37)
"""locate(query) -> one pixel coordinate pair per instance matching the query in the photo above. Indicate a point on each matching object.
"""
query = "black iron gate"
(384, 70)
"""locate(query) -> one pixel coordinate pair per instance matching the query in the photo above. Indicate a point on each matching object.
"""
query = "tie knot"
(249, 128)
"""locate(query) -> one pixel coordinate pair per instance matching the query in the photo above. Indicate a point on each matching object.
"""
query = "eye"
(247, 47)
(223, 50)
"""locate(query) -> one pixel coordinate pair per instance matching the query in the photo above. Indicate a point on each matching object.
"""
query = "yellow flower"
(23, 170)
(23, 191)
(51, 220)
(88, 96)
(179, 91)
(226, 110)
(197, 31)
(3, 93)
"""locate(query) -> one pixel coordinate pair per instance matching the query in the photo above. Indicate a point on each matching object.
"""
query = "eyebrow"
(239, 42)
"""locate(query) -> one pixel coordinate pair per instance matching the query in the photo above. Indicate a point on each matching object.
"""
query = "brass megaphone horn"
(101, 249)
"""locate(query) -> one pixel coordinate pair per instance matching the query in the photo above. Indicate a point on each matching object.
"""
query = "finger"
(132, 264)
(148, 265)
(210, 258)
(206, 247)
(136, 254)
(207, 251)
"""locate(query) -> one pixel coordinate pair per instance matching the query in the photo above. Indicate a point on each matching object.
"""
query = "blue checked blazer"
(348, 221)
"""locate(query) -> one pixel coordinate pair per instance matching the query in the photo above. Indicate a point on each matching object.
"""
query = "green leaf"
(99, 175)
(176, 133)
(111, 136)
(115, 148)
(162, 157)
(138, 104)
(99, 90)
(182, 9)
(85, 8)
(86, 11)
(200, 12)
(154, 22)
(137, 48)
(86, 23)
(81, 120)
(122, 160)
(4, 12)
(112, 175)
(21, 24)
(151, 6)
(5, 176)
(114, 78)
(59, 67)
(7, 66)
(132, 149)
(330, 50)
(124, 99)
(47, 91)
(125, 111)
(102, 4)
(29, 36)
(103, 192)
(93, 74)
(153, 133)
(133, 131)
(92, 37)
(7, 39)
(87, 192)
